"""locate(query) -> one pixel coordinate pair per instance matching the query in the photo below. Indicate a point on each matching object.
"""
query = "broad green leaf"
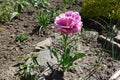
(68, 61)
(66, 55)
(22, 6)
(19, 8)
(21, 66)
(67, 52)
(78, 55)
(13, 15)
(14, 5)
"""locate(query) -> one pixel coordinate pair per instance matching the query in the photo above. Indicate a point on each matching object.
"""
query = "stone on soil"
(118, 32)
(56, 36)
(91, 35)
(44, 44)
(115, 76)
(44, 57)
(81, 48)
(117, 38)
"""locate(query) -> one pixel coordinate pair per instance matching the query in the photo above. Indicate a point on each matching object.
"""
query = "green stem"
(65, 37)
(65, 44)
(65, 5)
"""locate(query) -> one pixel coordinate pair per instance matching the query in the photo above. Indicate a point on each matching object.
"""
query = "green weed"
(36, 3)
(67, 2)
(26, 70)
(4, 12)
(20, 5)
(22, 37)
(44, 18)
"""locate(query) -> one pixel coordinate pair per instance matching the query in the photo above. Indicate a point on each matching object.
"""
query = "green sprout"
(65, 2)
(44, 18)
(25, 70)
(20, 5)
(36, 3)
(22, 37)
(4, 12)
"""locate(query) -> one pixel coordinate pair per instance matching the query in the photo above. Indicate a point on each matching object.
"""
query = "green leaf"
(78, 55)
(55, 54)
(64, 1)
(68, 61)
(21, 57)
(19, 8)
(22, 37)
(22, 67)
(28, 68)
(22, 72)
(13, 15)
(67, 51)
(34, 55)
(14, 4)
(67, 58)
(25, 3)
(46, 3)
(32, 77)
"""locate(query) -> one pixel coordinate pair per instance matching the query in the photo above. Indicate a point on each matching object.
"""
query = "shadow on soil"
(56, 75)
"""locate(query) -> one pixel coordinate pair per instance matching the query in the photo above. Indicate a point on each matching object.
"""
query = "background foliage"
(101, 8)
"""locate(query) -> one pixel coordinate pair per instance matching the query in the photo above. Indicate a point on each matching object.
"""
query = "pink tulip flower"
(68, 22)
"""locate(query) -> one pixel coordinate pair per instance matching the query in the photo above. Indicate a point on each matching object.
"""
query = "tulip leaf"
(69, 61)
(67, 51)
(78, 55)
(55, 54)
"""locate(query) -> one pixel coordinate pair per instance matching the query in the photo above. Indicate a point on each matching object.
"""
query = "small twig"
(90, 74)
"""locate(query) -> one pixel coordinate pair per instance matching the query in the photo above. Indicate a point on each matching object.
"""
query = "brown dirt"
(10, 48)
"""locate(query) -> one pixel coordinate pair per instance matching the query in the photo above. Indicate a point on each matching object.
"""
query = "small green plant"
(65, 2)
(7, 13)
(44, 18)
(71, 2)
(4, 12)
(22, 37)
(26, 70)
(36, 3)
(20, 5)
